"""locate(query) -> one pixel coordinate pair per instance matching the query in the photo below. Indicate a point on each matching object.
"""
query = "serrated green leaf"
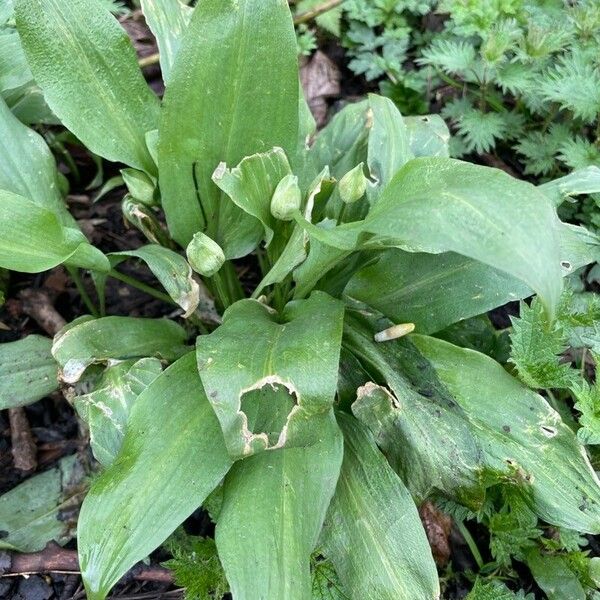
(274, 504)
(372, 533)
(107, 105)
(172, 457)
(297, 352)
(28, 372)
(212, 112)
(115, 338)
(106, 409)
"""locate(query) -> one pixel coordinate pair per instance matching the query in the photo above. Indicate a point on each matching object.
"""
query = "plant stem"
(74, 273)
(311, 14)
(141, 286)
(471, 543)
(149, 60)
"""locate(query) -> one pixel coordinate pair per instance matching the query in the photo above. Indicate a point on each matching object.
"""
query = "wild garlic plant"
(309, 415)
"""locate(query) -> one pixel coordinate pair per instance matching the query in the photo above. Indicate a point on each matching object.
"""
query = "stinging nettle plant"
(307, 418)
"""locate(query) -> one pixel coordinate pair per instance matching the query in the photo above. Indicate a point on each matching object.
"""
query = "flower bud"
(353, 185)
(286, 198)
(204, 255)
(139, 185)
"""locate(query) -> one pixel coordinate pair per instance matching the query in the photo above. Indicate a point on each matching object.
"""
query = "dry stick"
(24, 450)
(54, 559)
(304, 17)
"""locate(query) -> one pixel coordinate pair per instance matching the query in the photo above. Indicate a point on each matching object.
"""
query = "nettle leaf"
(373, 534)
(33, 513)
(553, 575)
(451, 56)
(32, 239)
(587, 402)
(27, 167)
(172, 457)
(212, 112)
(108, 104)
(28, 372)
(274, 505)
(106, 409)
(251, 185)
(171, 269)
(480, 131)
(168, 20)
(526, 443)
(89, 341)
(428, 135)
(293, 357)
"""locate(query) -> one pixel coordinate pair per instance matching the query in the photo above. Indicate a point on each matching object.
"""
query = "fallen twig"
(313, 13)
(37, 304)
(24, 450)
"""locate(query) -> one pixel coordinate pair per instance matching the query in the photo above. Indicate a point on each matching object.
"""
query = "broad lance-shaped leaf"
(171, 269)
(172, 457)
(428, 135)
(389, 143)
(524, 442)
(213, 113)
(33, 513)
(86, 65)
(437, 205)
(274, 504)
(167, 19)
(32, 239)
(27, 371)
(582, 181)
(435, 290)
(88, 341)
(256, 348)
(106, 409)
(373, 533)
(27, 167)
(251, 185)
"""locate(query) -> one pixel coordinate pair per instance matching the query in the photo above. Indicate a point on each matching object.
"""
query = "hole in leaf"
(565, 264)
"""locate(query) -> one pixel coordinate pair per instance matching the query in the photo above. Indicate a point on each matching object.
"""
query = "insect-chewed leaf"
(256, 352)
(274, 504)
(582, 181)
(428, 135)
(27, 167)
(213, 113)
(436, 290)
(171, 269)
(27, 371)
(372, 533)
(106, 409)
(32, 514)
(86, 65)
(32, 239)
(89, 341)
(168, 19)
(250, 186)
(172, 457)
(514, 433)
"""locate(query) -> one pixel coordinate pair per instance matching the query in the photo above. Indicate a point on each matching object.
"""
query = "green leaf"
(171, 269)
(32, 239)
(250, 186)
(168, 20)
(32, 514)
(373, 534)
(439, 205)
(325, 582)
(172, 457)
(582, 181)
(27, 371)
(106, 409)
(588, 404)
(428, 135)
(14, 71)
(389, 147)
(91, 341)
(525, 443)
(213, 113)
(274, 504)
(86, 65)
(297, 352)
(451, 56)
(553, 575)
(27, 167)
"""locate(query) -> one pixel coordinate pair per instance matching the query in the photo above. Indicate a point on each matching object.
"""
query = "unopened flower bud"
(140, 186)
(204, 255)
(353, 185)
(286, 198)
